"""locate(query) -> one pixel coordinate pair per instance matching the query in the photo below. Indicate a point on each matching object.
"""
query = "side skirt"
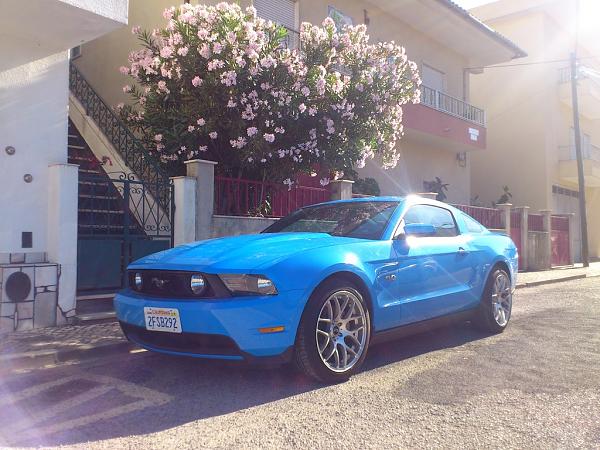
(421, 327)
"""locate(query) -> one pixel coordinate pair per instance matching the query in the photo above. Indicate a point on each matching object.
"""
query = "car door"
(433, 277)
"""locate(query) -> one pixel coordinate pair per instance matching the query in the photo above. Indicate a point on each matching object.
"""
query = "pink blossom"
(312, 111)
(135, 30)
(302, 107)
(124, 70)
(162, 86)
(269, 137)
(127, 88)
(201, 122)
(305, 91)
(166, 51)
(158, 137)
(324, 181)
(168, 13)
(203, 148)
(252, 131)
(191, 128)
(204, 51)
(196, 81)
(213, 134)
(229, 78)
(217, 48)
(120, 106)
(182, 51)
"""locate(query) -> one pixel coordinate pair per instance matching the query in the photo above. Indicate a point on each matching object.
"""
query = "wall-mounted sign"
(339, 17)
(474, 134)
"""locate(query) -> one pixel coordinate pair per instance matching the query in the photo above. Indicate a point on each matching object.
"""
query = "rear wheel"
(334, 333)
(496, 304)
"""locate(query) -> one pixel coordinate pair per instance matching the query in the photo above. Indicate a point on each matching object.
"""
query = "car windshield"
(364, 220)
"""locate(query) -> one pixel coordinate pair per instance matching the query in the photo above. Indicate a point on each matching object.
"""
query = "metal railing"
(241, 197)
(451, 105)
(292, 39)
(135, 155)
(488, 217)
(590, 152)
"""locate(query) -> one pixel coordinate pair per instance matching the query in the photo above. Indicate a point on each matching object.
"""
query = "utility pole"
(580, 174)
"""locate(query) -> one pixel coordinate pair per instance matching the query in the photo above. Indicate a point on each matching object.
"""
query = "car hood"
(238, 253)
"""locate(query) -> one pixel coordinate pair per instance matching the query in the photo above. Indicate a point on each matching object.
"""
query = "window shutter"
(281, 11)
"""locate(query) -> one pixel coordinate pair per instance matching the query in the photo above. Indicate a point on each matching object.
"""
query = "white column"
(524, 250)
(62, 231)
(341, 189)
(184, 226)
(547, 213)
(204, 173)
(505, 208)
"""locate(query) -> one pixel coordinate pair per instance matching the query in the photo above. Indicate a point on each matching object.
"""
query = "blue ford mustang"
(321, 285)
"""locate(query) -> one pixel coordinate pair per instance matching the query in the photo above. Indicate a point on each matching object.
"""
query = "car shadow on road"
(145, 393)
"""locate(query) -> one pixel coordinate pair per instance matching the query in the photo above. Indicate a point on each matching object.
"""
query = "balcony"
(588, 93)
(34, 30)
(591, 165)
(444, 121)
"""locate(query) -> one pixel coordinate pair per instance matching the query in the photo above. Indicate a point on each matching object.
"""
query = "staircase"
(111, 161)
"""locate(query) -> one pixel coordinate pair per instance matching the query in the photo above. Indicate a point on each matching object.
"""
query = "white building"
(38, 189)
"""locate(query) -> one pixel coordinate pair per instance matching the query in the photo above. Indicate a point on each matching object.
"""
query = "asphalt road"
(536, 385)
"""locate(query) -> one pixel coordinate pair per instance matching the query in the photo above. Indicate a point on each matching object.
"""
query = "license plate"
(162, 319)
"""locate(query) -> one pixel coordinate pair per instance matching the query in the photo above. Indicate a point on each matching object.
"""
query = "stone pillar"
(505, 208)
(341, 189)
(204, 173)
(184, 226)
(62, 233)
(524, 250)
(571, 238)
(547, 213)
(429, 195)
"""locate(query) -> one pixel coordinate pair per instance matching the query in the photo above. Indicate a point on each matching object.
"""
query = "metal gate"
(560, 241)
(121, 219)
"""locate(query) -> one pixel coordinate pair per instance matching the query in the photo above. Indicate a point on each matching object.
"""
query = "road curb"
(34, 360)
(551, 281)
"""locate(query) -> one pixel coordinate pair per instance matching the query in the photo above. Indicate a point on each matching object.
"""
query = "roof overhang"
(454, 27)
(31, 30)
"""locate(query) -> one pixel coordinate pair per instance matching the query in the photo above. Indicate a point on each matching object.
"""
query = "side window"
(440, 218)
(472, 225)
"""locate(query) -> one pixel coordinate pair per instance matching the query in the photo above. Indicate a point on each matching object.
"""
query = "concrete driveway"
(536, 385)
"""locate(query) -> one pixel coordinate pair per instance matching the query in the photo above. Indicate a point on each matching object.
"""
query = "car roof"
(410, 199)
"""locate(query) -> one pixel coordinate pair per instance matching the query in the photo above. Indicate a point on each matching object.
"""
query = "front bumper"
(216, 328)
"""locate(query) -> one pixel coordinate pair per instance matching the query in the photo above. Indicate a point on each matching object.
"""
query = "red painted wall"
(428, 120)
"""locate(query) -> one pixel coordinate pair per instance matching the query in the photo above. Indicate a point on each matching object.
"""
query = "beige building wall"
(528, 123)
(420, 162)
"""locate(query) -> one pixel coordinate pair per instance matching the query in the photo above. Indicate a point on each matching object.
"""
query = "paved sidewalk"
(47, 346)
(527, 279)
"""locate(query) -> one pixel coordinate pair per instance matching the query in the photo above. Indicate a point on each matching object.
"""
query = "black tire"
(307, 356)
(484, 317)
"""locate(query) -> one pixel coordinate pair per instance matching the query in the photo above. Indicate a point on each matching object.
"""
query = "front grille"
(201, 344)
(175, 284)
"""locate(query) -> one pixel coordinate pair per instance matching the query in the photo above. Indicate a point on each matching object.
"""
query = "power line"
(532, 63)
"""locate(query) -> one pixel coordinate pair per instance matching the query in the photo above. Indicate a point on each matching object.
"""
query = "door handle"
(462, 251)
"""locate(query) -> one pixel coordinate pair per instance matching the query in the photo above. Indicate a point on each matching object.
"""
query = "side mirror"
(419, 229)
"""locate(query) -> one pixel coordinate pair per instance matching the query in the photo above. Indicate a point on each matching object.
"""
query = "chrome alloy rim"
(342, 330)
(501, 299)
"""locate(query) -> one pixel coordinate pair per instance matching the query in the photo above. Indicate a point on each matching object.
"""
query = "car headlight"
(243, 284)
(197, 284)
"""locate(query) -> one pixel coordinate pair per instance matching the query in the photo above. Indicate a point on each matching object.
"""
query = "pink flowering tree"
(218, 83)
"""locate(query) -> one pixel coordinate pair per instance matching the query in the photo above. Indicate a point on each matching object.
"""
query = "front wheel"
(333, 336)
(496, 304)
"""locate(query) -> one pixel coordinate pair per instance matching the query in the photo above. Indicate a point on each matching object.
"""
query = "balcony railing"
(590, 152)
(451, 105)
(292, 39)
